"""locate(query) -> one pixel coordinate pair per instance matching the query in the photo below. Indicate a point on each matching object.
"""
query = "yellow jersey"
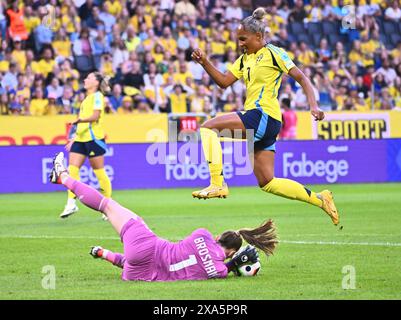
(262, 72)
(178, 103)
(92, 102)
(38, 107)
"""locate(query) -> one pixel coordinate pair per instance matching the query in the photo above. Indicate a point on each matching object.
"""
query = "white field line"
(336, 243)
(298, 242)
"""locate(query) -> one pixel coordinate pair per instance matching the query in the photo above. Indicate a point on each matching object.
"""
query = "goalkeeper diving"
(147, 257)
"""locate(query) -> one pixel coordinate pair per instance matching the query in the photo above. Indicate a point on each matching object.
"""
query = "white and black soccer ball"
(249, 269)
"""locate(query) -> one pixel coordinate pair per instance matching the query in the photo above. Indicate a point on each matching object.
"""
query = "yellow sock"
(74, 173)
(213, 154)
(292, 190)
(104, 182)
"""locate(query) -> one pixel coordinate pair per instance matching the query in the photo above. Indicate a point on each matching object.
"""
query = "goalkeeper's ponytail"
(263, 237)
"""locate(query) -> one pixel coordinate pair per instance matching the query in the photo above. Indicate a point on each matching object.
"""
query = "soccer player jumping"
(150, 258)
(261, 67)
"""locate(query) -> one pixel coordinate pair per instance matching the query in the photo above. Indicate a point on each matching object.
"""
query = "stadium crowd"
(47, 47)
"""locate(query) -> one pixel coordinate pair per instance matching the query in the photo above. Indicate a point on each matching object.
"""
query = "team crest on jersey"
(260, 57)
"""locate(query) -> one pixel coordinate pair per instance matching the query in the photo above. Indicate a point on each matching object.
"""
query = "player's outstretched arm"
(223, 80)
(306, 85)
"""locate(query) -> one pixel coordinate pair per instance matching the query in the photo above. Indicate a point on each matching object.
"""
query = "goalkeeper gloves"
(248, 254)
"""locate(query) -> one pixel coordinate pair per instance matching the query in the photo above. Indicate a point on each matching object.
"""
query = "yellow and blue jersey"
(262, 73)
(91, 131)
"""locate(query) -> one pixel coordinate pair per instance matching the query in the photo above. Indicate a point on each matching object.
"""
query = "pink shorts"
(139, 250)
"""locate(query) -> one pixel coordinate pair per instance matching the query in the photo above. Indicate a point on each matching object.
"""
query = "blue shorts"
(266, 129)
(90, 148)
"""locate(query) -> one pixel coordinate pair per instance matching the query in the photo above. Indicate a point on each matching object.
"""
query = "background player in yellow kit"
(261, 67)
(89, 138)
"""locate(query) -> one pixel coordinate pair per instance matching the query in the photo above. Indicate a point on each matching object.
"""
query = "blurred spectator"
(178, 99)
(42, 33)
(289, 125)
(360, 103)
(45, 65)
(9, 81)
(306, 56)
(134, 77)
(17, 29)
(3, 21)
(62, 44)
(54, 89)
(4, 104)
(184, 7)
(301, 102)
(388, 73)
(83, 46)
(67, 73)
(229, 104)
(85, 10)
(198, 99)
(323, 52)
(298, 13)
(182, 74)
(52, 107)
(19, 55)
(106, 65)
(116, 97)
(393, 13)
(100, 45)
(368, 9)
(145, 48)
(155, 94)
(65, 103)
(119, 54)
(15, 106)
(22, 91)
(39, 103)
(127, 106)
(106, 15)
(142, 106)
(233, 11)
(387, 102)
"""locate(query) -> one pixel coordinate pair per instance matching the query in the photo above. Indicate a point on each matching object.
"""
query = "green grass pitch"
(308, 264)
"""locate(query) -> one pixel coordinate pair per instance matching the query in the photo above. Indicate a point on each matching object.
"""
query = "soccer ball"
(249, 270)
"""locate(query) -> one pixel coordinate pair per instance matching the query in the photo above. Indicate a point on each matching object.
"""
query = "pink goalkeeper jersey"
(197, 257)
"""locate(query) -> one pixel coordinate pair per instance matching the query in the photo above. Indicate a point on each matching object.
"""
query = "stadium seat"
(84, 64)
(389, 27)
(334, 38)
(330, 27)
(395, 38)
(314, 28)
(384, 39)
(97, 60)
(297, 28)
(316, 38)
(305, 38)
(379, 21)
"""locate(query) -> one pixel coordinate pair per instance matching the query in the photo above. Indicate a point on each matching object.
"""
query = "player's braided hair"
(104, 86)
(255, 23)
(263, 237)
